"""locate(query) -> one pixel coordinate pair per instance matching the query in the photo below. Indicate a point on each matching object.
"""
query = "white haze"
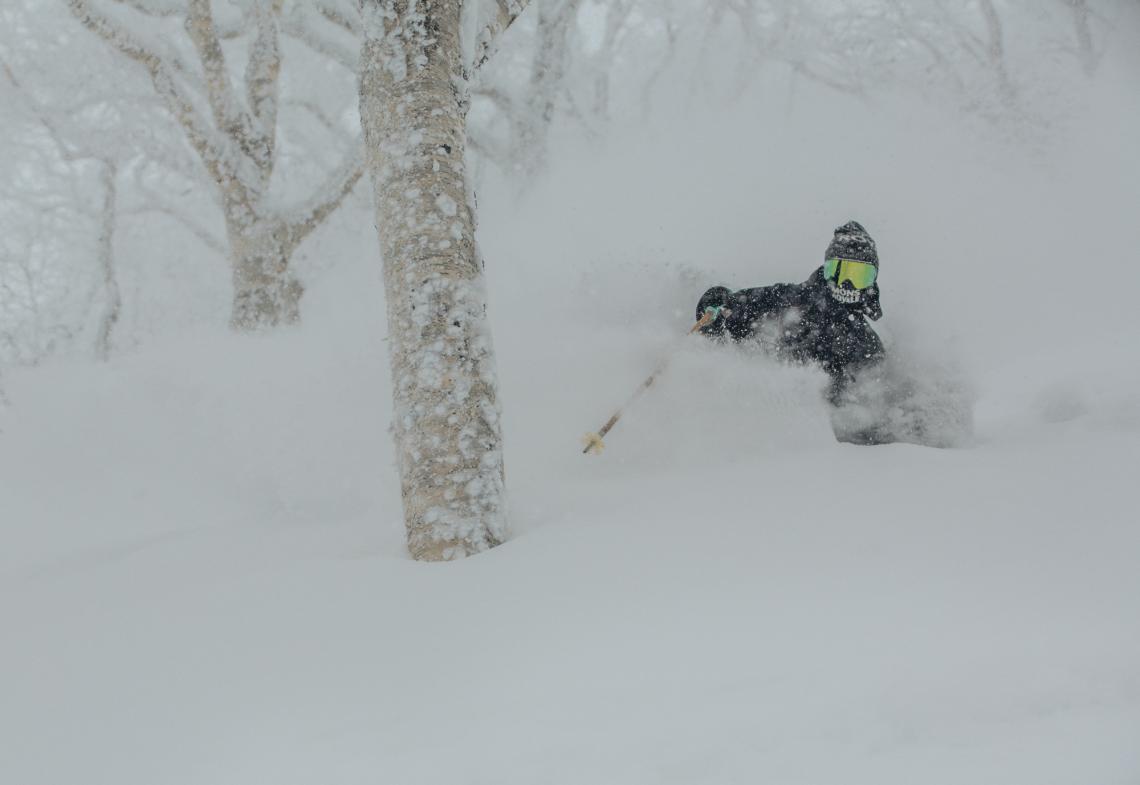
(202, 577)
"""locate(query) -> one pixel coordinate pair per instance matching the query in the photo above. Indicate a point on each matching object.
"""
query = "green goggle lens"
(860, 274)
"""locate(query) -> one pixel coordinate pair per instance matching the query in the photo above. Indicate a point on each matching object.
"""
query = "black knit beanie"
(851, 241)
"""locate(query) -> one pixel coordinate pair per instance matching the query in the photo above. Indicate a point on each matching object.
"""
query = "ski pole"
(593, 440)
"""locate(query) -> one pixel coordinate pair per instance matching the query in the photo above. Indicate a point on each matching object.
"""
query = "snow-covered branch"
(1085, 48)
(302, 221)
(348, 22)
(229, 116)
(204, 235)
(107, 218)
(264, 68)
(504, 14)
(66, 151)
(995, 48)
(151, 8)
(298, 24)
(198, 132)
(322, 118)
(155, 203)
(498, 97)
(235, 130)
(112, 305)
(499, 153)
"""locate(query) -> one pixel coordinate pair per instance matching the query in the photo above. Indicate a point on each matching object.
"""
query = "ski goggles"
(860, 274)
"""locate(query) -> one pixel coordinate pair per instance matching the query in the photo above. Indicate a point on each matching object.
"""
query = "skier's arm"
(748, 307)
(745, 307)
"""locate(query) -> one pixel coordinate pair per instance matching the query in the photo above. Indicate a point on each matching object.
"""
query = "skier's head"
(851, 263)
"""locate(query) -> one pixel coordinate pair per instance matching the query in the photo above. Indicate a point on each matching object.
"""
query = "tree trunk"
(413, 106)
(266, 293)
(555, 20)
(112, 298)
(995, 50)
(1085, 46)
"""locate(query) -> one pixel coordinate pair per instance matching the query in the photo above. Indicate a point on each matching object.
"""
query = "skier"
(822, 321)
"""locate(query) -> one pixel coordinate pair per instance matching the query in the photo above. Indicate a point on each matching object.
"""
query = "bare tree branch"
(199, 231)
(803, 69)
(995, 49)
(231, 122)
(617, 15)
(229, 116)
(329, 11)
(151, 9)
(486, 40)
(107, 215)
(321, 117)
(1085, 48)
(66, 152)
(112, 295)
(499, 154)
(303, 220)
(263, 71)
(495, 96)
(296, 26)
(173, 97)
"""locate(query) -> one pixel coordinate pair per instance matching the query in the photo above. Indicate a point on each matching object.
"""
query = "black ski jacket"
(802, 323)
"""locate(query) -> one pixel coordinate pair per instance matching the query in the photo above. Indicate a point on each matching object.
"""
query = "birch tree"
(555, 20)
(1083, 31)
(527, 111)
(72, 152)
(231, 123)
(413, 106)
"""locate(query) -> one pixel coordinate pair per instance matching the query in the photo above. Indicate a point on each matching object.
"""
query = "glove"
(712, 313)
(712, 302)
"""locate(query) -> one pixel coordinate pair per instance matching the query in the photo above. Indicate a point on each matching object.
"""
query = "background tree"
(72, 151)
(596, 64)
(59, 284)
(232, 124)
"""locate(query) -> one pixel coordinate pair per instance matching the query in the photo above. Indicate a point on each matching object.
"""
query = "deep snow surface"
(202, 577)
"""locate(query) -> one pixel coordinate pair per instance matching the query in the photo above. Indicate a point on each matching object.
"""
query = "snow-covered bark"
(555, 20)
(617, 16)
(484, 21)
(530, 110)
(266, 293)
(1081, 27)
(994, 48)
(72, 149)
(237, 142)
(413, 107)
(112, 298)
